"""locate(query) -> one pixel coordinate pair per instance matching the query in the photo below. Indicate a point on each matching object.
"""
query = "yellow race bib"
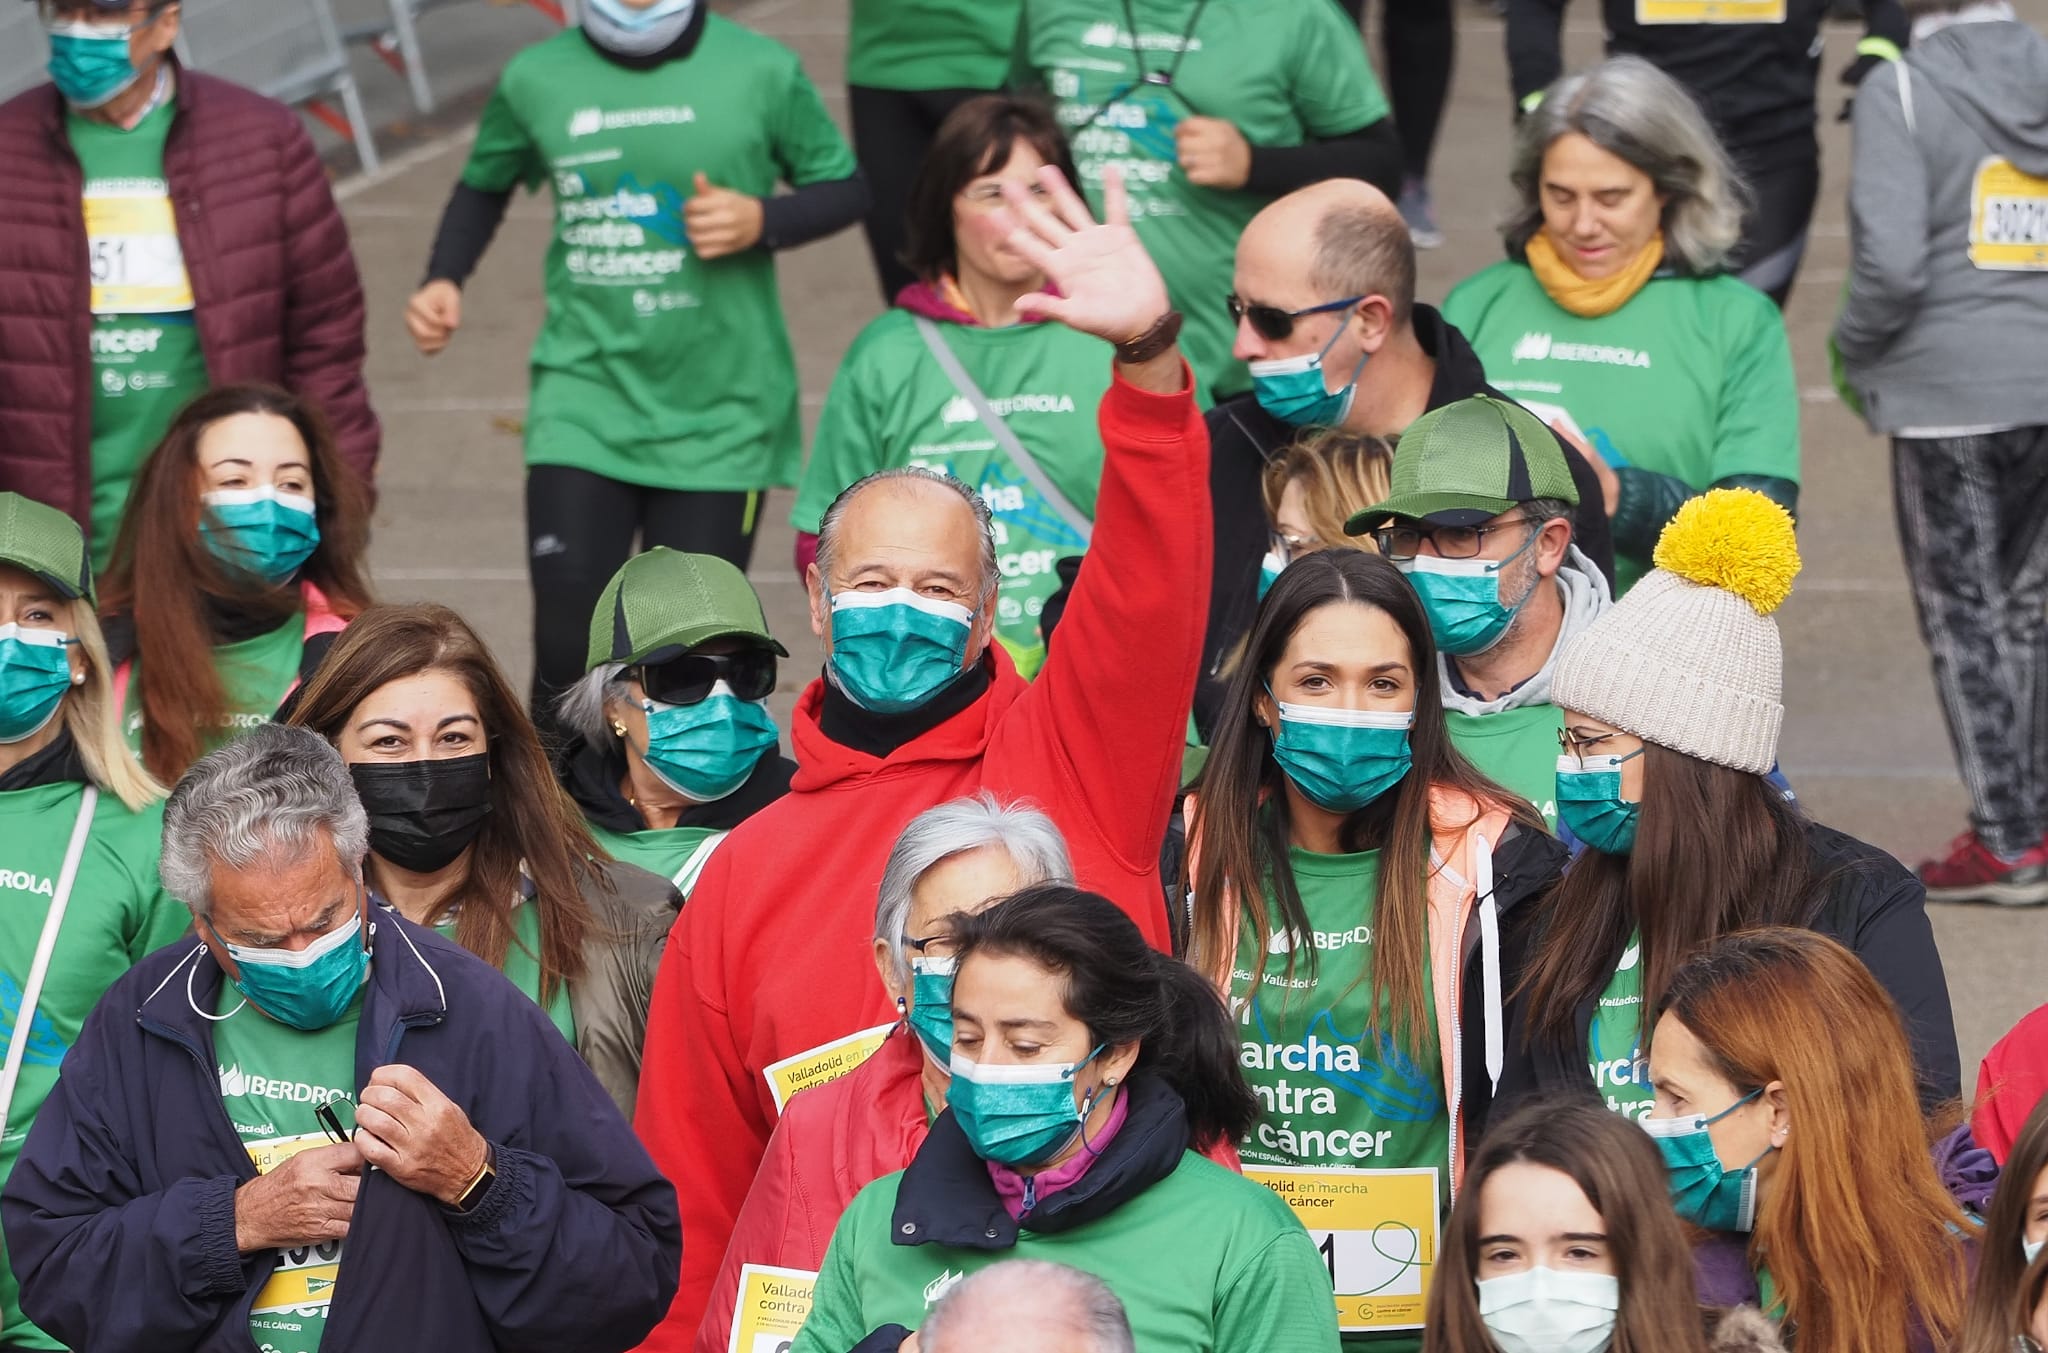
(1710, 11)
(772, 1306)
(2008, 219)
(138, 266)
(1377, 1230)
(826, 1062)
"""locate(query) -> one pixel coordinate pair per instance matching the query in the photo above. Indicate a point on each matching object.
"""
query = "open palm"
(1100, 279)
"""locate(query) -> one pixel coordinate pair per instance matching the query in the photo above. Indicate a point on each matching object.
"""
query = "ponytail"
(1126, 992)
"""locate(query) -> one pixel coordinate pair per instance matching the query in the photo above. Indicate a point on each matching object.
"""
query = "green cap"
(664, 602)
(45, 542)
(1469, 461)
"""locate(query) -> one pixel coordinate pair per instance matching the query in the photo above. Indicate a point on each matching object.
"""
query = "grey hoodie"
(1586, 596)
(1930, 339)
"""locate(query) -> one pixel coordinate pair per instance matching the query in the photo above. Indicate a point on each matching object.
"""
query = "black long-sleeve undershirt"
(1372, 153)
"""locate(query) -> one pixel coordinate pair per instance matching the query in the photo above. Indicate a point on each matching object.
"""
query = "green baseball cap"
(38, 538)
(664, 602)
(1469, 461)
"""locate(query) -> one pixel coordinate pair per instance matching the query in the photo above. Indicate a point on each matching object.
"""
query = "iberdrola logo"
(959, 409)
(234, 1082)
(939, 1286)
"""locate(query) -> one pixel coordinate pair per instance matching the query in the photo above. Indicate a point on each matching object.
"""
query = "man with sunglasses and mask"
(762, 990)
(1324, 303)
(671, 744)
(1480, 520)
(167, 231)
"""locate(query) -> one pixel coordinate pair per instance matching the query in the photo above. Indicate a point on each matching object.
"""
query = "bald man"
(1330, 270)
(1027, 1306)
(767, 973)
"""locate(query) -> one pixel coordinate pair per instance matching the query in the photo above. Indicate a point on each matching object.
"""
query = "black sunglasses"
(688, 679)
(1272, 323)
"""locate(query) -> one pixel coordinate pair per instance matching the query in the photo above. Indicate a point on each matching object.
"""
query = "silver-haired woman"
(1612, 317)
(836, 1137)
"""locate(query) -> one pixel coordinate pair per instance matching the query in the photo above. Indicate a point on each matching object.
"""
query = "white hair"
(271, 793)
(936, 835)
(1637, 113)
(978, 1312)
(828, 525)
(581, 708)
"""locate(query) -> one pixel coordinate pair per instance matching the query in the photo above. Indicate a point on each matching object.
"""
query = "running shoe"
(1420, 214)
(1973, 872)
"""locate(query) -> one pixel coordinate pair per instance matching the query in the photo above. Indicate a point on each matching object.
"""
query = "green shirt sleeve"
(1281, 1299)
(847, 445)
(835, 1324)
(808, 146)
(1757, 424)
(1024, 77)
(1335, 91)
(504, 155)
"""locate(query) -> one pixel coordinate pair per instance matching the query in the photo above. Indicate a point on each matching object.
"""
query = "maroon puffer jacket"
(275, 288)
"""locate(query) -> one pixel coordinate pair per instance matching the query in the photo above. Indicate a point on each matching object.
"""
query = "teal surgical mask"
(1589, 802)
(307, 988)
(1292, 389)
(260, 531)
(89, 62)
(892, 651)
(1703, 1191)
(1462, 599)
(1543, 1310)
(1018, 1115)
(1270, 569)
(35, 672)
(1342, 759)
(931, 1006)
(707, 750)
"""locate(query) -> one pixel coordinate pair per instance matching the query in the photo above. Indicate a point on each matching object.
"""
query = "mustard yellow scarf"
(1585, 298)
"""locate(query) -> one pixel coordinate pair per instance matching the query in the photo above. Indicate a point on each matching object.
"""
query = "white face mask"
(1541, 1310)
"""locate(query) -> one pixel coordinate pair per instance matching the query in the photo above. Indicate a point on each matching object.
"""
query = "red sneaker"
(1973, 872)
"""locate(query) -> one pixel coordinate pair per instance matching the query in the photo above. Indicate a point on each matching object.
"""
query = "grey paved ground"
(1863, 742)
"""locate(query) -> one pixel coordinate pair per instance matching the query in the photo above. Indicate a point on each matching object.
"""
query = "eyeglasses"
(1272, 323)
(92, 11)
(1402, 543)
(686, 680)
(1572, 745)
(330, 1122)
(991, 194)
(934, 946)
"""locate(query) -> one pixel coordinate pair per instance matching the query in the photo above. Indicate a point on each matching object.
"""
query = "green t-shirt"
(272, 1077)
(931, 44)
(257, 673)
(1615, 1039)
(1691, 378)
(1332, 1094)
(654, 367)
(1516, 749)
(146, 361)
(892, 405)
(522, 966)
(1282, 71)
(118, 912)
(670, 852)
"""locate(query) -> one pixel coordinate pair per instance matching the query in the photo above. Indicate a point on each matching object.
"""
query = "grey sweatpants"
(1973, 522)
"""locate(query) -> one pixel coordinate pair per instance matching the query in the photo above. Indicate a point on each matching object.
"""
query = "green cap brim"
(1443, 509)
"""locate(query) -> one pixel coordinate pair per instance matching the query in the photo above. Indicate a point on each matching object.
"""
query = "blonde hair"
(94, 720)
(1340, 472)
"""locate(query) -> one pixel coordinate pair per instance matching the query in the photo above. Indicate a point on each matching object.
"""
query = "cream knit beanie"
(1690, 659)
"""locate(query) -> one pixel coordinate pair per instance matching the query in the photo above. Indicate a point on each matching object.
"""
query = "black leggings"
(1774, 231)
(892, 130)
(1420, 37)
(580, 529)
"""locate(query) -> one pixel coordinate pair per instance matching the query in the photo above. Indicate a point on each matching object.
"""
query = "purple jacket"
(126, 1184)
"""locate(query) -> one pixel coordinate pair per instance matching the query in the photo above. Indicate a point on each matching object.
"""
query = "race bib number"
(772, 1306)
(2008, 219)
(1376, 1229)
(138, 267)
(827, 1062)
(1710, 11)
(303, 1282)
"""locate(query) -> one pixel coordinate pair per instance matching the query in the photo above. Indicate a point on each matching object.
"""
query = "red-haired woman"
(240, 556)
(1786, 1113)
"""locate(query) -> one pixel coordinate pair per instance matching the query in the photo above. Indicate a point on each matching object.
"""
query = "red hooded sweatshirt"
(773, 955)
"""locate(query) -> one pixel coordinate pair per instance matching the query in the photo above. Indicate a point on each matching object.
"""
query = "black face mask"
(424, 813)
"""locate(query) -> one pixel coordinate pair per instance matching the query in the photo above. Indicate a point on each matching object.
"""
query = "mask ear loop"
(1088, 1107)
(193, 1000)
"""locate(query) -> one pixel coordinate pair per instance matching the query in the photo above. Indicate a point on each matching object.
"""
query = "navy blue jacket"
(120, 1215)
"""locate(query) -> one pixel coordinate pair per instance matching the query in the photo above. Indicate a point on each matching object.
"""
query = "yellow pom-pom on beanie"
(1734, 539)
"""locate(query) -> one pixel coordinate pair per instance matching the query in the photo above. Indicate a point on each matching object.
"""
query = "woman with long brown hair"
(2007, 1286)
(1342, 854)
(240, 556)
(1563, 1241)
(1672, 704)
(470, 832)
(1786, 1114)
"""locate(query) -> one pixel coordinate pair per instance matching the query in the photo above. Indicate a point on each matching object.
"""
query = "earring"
(618, 729)
(78, 678)
(1110, 1082)
(902, 1008)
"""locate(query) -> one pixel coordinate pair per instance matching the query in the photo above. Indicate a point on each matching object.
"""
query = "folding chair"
(290, 50)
